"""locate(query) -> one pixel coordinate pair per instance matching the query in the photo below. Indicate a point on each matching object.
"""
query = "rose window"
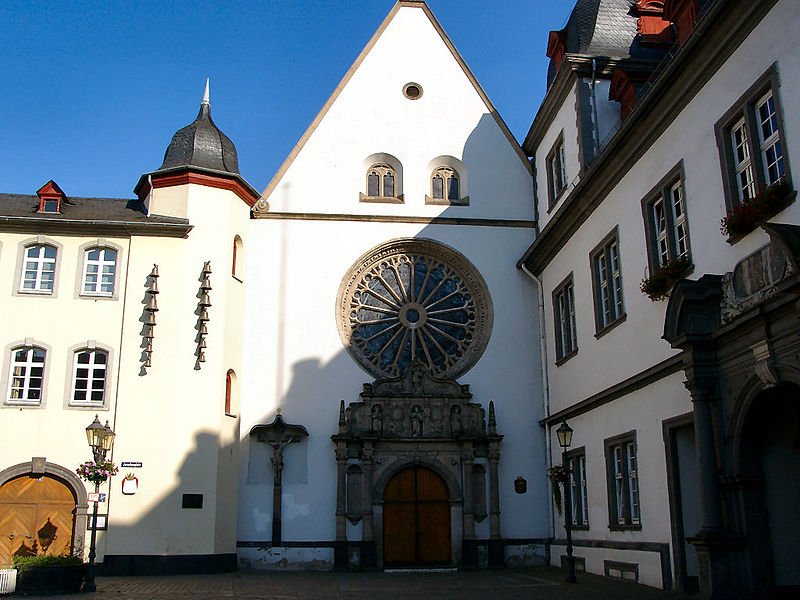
(414, 300)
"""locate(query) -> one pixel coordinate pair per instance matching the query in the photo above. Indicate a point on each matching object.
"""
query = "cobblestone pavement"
(511, 584)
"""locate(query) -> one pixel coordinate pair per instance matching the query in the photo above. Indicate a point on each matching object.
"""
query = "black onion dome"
(201, 145)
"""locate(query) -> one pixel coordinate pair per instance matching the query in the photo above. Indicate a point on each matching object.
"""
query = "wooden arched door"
(416, 519)
(37, 517)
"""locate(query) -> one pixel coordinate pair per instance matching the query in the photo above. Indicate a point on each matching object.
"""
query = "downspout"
(595, 124)
(546, 389)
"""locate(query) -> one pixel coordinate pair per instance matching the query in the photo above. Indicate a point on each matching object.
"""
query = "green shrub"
(22, 563)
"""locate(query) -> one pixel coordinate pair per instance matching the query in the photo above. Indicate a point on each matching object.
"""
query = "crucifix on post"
(278, 435)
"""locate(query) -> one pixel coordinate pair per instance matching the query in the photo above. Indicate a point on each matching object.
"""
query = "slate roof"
(112, 215)
(604, 28)
(202, 145)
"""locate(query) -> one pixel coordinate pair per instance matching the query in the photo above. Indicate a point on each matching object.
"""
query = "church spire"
(206, 94)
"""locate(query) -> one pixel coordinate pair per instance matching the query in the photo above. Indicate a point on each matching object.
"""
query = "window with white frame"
(607, 281)
(752, 142)
(39, 269)
(556, 171)
(666, 221)
(99, 271)
(381, 181)
(623, 482)
(579, 499)
(26, 375)
(565, 327)
(89, 368)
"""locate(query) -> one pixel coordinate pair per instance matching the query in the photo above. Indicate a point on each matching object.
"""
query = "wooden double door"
(416, 519)
(37, 517)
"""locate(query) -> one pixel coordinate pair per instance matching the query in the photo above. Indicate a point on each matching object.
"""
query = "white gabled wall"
(371, 115)
(296, 360)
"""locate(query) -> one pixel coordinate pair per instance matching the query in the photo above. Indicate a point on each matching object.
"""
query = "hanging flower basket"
(747, 214)
(657, 286)
(96, 472)
(558, 476)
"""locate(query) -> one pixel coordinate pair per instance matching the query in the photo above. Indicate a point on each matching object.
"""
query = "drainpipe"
(595, 124)
(546, 385)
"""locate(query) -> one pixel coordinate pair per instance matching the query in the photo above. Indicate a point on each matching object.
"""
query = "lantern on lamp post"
(564, 434)
(101, 441)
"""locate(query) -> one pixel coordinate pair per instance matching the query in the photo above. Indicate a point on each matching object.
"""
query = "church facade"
(364, 365)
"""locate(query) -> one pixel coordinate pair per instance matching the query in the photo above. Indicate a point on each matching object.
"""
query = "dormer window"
(51, 198)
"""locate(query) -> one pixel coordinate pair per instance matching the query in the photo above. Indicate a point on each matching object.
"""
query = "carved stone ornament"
(753, 280)
(765, 364)
(416, 405)
(414, 299)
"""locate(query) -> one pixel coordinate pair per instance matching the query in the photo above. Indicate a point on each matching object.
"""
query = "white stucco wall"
(296, 360)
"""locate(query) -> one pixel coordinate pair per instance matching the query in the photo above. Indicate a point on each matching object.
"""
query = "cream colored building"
(364, 365)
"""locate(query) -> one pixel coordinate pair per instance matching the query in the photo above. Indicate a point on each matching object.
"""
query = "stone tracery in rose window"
(414, 300)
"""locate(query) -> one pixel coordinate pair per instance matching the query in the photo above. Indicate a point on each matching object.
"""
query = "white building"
(652, 131)
(350, 365)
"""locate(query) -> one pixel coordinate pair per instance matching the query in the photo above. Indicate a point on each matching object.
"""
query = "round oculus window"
(412, 91)
(411, 300)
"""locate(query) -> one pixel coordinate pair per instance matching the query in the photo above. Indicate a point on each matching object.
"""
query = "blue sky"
(93, 91)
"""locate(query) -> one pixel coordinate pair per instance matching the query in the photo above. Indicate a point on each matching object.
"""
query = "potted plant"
(558, 476)
(97, 472)
(748, 213)
(49, 574)
(657, 286)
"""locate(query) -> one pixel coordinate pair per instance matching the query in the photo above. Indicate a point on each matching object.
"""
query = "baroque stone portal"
(414, 299)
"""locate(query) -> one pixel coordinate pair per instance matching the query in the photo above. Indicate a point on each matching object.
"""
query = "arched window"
(448, 182)
(99, 271)
(381, 181)
(237, 265)
(89, 368)
(445, 185)
(231, 400)
(26, 375)
(39, 269)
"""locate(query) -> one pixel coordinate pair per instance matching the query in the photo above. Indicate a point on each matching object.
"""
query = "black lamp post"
(101, 440)
(564, 433)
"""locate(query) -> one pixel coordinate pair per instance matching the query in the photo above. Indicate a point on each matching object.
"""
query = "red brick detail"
(50, 191)
(624, 85)
(187, 177)
(683, 14)
(557, 47)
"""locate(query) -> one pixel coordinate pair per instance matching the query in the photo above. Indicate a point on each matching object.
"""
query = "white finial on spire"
(207, 95)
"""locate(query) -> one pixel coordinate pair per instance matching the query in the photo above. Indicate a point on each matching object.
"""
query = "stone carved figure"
(377, 419)
(455, 420)
(417, 418)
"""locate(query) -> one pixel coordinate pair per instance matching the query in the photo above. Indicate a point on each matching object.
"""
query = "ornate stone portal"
(416, 419)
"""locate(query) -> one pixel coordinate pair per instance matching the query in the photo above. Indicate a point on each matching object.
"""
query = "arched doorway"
(37, 517)
(416, 519)
(770, 460)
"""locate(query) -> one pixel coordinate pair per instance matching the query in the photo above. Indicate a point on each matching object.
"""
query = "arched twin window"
(381, 181)
(444, 184)
(448, 183)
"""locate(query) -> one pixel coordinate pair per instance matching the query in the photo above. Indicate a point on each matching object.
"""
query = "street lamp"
(101, 440)
(564, 433)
